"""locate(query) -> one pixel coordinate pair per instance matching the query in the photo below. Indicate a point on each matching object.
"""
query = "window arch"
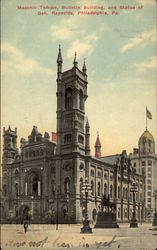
(99, 191)
(81, 99)
(105, 189)
(92, 187)
(16, 190)
(111, 191)
(67, 185)
(68, 99)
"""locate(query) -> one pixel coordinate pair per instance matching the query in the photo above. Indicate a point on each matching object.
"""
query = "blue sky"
(120, 52)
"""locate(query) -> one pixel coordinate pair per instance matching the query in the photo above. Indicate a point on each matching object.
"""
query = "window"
(68, 99)
(67, 138)
(126, 193)
(92, 187)
(53, 187)
(149, 199)
(149, 187)
(92, 172)
(105, 189)
(81, 139)
(123, 193)
(99, 192)
(111, 177)
(26, 154)
(149, 175)
(81, 185)
(105, 176)
(150, 169)
(30, 154)
(149, 193)
(37, 153)
(149, 163)
(81, 99)
(53, 170)
(149, 182)
(67, 185)
(118, 192)
(111, 190)
(16, 173)
(134, 164)
(16, 190)
(33, 153)
(35, 185)
(99, 174)
(41, 152)
(143, 163)
(81, 167)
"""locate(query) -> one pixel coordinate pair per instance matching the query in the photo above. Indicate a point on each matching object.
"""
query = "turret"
(75, 62)
(97, 147)
(87, 138)
(59, 62)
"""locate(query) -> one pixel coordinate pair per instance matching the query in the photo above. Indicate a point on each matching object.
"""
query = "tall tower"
(97, 147)
(70, 151)
(10, 145)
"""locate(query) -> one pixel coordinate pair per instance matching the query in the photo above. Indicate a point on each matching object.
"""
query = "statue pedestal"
(106, 220)
(154, 220)
(86, 229)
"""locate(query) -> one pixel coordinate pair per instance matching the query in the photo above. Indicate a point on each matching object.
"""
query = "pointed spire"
(75, 62)
(87, 124)
(97, 147)
(59, 59)
(84, 69)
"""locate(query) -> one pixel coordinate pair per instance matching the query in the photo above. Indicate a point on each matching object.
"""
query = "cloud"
(143, 37)
(149, 64)
(66, 29)
(14, 59)
(82, 47)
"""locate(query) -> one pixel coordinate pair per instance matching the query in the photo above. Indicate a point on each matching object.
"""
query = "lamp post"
(86, 227)
(32, 197)
(155, 214)
(133, 222)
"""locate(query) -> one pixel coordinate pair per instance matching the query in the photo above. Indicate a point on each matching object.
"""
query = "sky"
(120, 54)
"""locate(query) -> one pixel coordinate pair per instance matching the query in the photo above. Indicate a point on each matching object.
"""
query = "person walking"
(25, 226)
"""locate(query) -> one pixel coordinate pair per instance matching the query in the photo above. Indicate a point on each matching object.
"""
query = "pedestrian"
(25, 226)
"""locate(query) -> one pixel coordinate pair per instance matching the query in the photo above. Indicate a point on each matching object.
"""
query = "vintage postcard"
(79, 124)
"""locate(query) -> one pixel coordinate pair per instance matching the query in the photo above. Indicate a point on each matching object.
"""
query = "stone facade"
(44, 180)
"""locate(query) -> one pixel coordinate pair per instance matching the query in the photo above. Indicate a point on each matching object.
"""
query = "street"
(68, 237)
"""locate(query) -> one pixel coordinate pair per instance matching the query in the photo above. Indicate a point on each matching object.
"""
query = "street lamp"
(155, 214)
(133, 222)
(86, 227)
(32, 197)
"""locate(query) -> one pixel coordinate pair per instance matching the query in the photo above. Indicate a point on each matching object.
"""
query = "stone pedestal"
(86, 229)
(154, 220)
(133, 222)
(106, 220)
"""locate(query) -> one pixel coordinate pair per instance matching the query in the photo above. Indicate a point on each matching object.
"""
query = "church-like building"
(44, 179)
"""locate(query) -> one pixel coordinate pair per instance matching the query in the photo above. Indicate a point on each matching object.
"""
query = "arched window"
(111, 191)
(118, 192)
(92, 187)
(68, 99)
(126, 194)
(67, 185)
(35, 185)
(16, 190)
(105, 189)
(81, 99)
(99, 191)
(123, 193)
(81, 185)
(53, 187)
(16, 173)
(4, 190)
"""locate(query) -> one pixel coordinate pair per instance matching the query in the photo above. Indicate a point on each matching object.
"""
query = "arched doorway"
(24, 213)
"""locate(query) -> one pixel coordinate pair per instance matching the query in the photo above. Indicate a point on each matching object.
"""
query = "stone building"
(144, 161)
(44, 179)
